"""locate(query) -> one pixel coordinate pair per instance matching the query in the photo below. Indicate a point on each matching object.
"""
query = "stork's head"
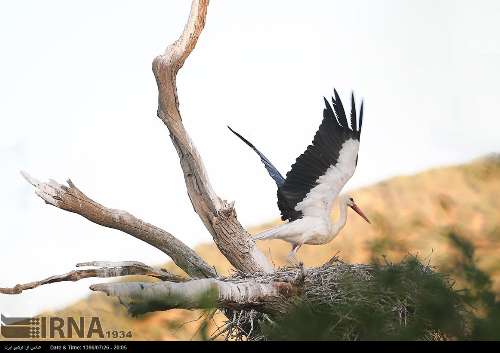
(350, 202)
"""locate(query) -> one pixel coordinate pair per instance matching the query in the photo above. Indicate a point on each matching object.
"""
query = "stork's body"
(312, 230)
(306, 195)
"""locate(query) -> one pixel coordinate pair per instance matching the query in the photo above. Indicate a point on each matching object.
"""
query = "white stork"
(306, 195)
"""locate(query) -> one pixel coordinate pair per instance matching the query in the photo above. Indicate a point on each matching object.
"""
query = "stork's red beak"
(358, 211)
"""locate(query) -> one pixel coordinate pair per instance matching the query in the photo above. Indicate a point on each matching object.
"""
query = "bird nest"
(341, 301)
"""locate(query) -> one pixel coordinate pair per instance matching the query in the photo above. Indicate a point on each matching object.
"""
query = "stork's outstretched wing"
(271, 169)
(319, 174)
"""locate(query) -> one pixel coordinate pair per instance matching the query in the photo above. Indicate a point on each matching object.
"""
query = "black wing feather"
(339, 109)
(271, 169)
(318, 157)
(353, 113)
(361, 115)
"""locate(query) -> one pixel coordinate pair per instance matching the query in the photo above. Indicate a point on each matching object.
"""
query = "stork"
(306, 195)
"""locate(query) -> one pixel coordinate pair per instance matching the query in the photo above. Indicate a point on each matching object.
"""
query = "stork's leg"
(292, 255)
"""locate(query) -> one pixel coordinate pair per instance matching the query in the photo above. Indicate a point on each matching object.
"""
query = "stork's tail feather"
(270, 233)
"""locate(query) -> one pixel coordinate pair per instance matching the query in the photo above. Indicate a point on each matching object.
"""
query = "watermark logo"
(20, 327)
(49, 327)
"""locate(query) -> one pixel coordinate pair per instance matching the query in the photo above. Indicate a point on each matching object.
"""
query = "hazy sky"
(78, 99)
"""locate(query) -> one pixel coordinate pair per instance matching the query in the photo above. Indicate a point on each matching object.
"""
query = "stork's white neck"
(336, 227)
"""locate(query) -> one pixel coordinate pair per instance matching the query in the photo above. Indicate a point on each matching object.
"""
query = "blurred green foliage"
(403, 301)
(477, 292)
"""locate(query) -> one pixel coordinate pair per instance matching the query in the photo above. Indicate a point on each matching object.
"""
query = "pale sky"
(79, 101)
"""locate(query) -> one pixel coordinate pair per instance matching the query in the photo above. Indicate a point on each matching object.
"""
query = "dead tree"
(255, 291)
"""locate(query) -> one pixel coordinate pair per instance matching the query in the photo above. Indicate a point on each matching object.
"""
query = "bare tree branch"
(234, 294)
(73, 200)
(218, 216)
(103, 270)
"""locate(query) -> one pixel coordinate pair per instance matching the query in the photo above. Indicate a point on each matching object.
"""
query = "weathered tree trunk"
(217, 215)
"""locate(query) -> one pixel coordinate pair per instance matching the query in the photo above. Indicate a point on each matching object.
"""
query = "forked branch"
(70, 198)
(102, 270)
